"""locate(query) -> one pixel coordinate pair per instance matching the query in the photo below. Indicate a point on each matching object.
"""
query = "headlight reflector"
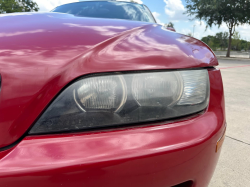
(101, 93)
(158, 89)
(123, 99)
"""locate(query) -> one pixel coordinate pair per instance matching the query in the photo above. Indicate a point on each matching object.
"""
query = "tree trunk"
(229, 45)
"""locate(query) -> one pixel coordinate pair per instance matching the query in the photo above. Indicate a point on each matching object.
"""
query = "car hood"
(41, 53)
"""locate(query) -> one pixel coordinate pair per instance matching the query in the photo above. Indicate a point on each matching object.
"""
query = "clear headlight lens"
(158, 89)
(195, 87)
(106, 93)
(114, 100)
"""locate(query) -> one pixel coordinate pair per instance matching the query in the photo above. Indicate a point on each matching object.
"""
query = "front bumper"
(157, 155)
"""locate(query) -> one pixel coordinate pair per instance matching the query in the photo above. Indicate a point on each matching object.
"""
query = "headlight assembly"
(123, 99)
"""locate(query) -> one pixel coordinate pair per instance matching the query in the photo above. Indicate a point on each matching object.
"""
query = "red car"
(97, 94)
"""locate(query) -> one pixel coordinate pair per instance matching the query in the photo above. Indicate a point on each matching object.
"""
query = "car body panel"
(38, 59)
(162, 154)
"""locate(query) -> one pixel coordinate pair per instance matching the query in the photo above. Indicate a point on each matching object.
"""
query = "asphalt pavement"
(233, 168)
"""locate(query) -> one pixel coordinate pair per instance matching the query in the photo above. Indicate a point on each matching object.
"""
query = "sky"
(166, 11)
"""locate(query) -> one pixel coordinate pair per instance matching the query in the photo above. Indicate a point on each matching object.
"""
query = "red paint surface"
(159, 155)
(40, 53)
(171, 29)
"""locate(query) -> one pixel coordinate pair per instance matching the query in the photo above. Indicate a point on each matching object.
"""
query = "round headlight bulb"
(157, 89)
(106, 93)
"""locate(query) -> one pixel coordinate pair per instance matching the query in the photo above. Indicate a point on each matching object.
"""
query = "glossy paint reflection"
(149, 48)
(153, 155)
(38, 59)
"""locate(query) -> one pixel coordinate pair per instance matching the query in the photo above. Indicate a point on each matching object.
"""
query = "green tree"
(212, 45)
(170, 24)
(211, 41)
(245, 45)
(207, 39)
(221, 39)
(10, 6)
(236, 41)
(231, 12)
(225, 37)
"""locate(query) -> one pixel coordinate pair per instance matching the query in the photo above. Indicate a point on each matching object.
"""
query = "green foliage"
(220, 41)
(207, 39)
(212, 45)
(236, 42)
(211, 41)
(239, 44)
(216, 12)
(10, 6)
(170, 24)
(28, 6)
(245, 45)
